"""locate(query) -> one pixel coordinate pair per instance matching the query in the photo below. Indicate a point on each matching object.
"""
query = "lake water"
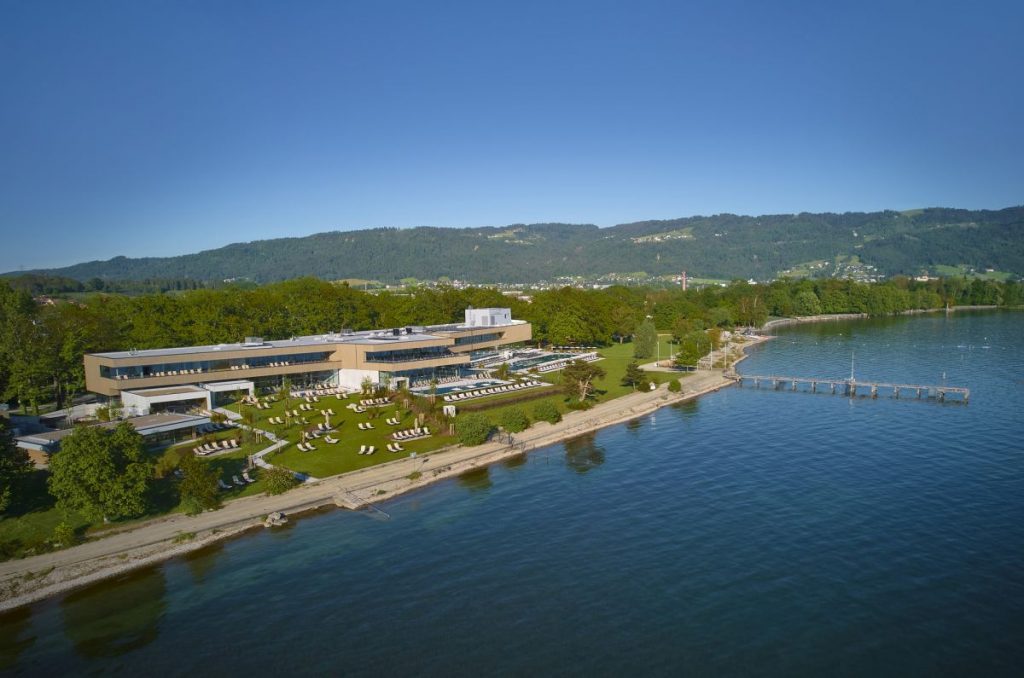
(752, 532)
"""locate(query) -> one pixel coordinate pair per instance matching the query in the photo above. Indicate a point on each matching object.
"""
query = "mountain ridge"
(722, 246)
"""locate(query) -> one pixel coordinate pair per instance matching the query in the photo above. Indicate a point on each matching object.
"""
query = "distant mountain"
(720, 246)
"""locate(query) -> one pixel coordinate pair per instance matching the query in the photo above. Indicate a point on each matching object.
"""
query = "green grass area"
(616, 358)
(963, 270)
(331, 459)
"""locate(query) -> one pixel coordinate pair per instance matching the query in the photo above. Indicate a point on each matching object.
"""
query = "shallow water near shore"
(749, 532)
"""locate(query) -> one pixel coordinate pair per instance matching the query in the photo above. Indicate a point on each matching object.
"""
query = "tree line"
(41, 346)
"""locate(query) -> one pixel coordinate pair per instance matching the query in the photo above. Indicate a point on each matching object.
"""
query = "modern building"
(196, 376)
(156, 429)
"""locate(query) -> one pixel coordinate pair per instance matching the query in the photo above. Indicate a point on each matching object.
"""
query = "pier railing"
(853, 388)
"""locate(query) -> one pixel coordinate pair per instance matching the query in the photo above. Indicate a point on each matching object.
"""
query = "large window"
(409, 354)
(479, 338)
(217, 365)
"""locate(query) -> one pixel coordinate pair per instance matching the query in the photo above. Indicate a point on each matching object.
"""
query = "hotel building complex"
(172, 378)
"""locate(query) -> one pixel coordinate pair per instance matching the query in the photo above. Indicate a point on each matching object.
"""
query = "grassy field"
(328, 459)
(966, 271)
(615, 359)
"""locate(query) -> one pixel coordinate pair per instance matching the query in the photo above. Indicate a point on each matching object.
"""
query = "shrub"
(473, 428)
(63, 534)
(675, 386)
(580, 405)
(547, 411)
(278, 480)
(514, 420)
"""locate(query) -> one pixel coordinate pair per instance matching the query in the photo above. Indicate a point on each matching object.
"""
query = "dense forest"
(724, 246)
(41, 345)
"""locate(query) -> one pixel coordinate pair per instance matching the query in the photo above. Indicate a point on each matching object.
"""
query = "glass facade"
(172, 368)
(409, 354)
(479, 338)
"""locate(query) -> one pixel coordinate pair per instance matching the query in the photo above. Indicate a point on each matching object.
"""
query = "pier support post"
(874, 391)
(814, 387)
(896, 392)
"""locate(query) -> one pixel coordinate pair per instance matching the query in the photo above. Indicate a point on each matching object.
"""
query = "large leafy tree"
(15, 467)
(198, 487)
(473, 428)
(645, 340)
(101, 472)
(578, 378)
(692, 347)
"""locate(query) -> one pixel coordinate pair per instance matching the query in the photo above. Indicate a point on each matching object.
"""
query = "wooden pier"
(853, 388)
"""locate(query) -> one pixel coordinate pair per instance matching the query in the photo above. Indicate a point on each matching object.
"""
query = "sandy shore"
(150, 542)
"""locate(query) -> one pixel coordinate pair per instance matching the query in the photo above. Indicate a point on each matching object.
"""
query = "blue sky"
(158, 128)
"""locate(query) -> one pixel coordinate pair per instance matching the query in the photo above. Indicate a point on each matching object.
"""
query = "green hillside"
(720, 246)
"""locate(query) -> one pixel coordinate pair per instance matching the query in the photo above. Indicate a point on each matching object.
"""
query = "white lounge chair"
(239, 482)
(222, 484)
(247, 477)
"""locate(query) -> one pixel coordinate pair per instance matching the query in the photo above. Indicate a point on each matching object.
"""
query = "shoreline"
(29, 580)
(826, 317)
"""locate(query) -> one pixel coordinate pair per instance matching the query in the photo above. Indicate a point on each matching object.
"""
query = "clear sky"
(150, 128)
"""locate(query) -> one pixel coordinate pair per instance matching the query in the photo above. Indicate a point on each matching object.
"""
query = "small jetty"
(853, 388)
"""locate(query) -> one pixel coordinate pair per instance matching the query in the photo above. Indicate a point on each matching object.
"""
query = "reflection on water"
(583, 453)
(634, 425)
(688, 408)
(200, 563)
(515, 461)
(13, 641)
(476, 480)
(118, 616)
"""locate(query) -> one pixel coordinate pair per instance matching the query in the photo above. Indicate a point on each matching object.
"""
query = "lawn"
(616, 358)
(327, 459)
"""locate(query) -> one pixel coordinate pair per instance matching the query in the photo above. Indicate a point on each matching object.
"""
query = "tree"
(278, 480)
(634, 376)
(807, 303)
(198, 488)
(473, 428)
(101, 472)
(645, 340)
(692, 347)
(514, 420)
(675, 386)
(503, 371)
(578, 378)
(15, 467)
(547, 411)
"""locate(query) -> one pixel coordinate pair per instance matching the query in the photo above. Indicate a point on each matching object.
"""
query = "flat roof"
(367, 337)
(169, 390)
(146, 425)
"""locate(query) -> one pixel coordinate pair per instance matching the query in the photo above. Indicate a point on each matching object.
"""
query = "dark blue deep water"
(750, 533)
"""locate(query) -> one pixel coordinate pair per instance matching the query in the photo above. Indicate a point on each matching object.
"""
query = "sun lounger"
(222, 484)
(371, 449)
(238, 481)
(247, 478)
(330, 440)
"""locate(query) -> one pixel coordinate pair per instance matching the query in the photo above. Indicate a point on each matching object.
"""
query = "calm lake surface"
(752, 532)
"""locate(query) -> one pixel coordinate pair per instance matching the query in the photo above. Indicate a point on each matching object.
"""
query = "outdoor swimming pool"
(527, 363)
(459, 388)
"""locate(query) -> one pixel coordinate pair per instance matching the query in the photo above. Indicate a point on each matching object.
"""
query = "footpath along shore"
(147, 543)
